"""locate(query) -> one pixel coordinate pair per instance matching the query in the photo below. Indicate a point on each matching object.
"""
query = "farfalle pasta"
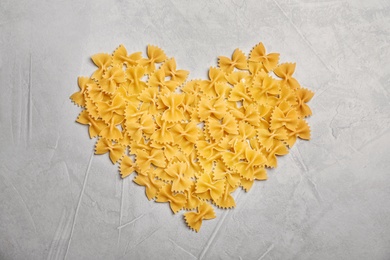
(192, 143)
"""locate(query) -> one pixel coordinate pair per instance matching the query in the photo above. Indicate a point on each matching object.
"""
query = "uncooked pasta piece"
(258, 55)
(226, 200)
(279, 148)
(238, 61)
(145, 159)
(246, 131)
(173, 113)
(220, 128)
(288, 119)
(177, 201)
(194, 219)
(151, 184)
(240, 93)
(179, 76)
(134, 75)
(79, 97)
(302, 131)
(207, 188)
(268, 137)
(103, 61)
(208, 87)
(285, 71)
(95, 126)
(120, 57)
(193, 143)
(155, 55)
(303, 96)
(215, 107)
(126, 166)
(193, 201)
(115, 150)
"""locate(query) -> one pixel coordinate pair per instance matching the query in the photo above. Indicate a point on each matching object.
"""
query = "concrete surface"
(328, 199)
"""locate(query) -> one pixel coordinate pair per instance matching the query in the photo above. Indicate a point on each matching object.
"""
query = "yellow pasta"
(177, 201)
(226, 200)
(111, 79)
(103, 61)
(151, 184)
(79, 97)
(178, 76)
(268, 137)
(194, 219)
(240, 93)
(155, 55)
(258, 55)
(163, 133)
(126, 167)
(303, 96)
(288, 119)
(95, 126)
(207, 188)
(120, 57)
(193, 143)
(178, 174)
(115, 150)
(134, 75)
(173, 113)
(193, 201)
(145, 159)
(238, 61)
(216, 76)
(285, 71)
(247, 167)
(215, 107)
(219, 128)
(263, 88)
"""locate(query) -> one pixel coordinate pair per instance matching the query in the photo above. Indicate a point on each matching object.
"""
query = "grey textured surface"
(328, 199)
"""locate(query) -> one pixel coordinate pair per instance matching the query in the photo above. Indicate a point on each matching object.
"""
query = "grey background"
(328, 199)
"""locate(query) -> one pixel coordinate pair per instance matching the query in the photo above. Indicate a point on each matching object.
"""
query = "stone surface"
(328, 199)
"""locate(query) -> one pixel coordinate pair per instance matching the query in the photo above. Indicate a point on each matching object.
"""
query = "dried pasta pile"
(193, 143)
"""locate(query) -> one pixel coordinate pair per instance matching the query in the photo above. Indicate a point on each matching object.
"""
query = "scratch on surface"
(269, 249)
(374, 138)
(212, 237)
(297, 185)
(12, 117)
(148, 236)
(321, 91)
(173, 242)
(57, 237)
(21, 115)
(298, 159)
(331, 122)
(301, 160)
(25, 205)
(64, 236)
(70, 185)
(132, 221)
(151, 234)
(78, 204)
(313, 185)
(303, 37)
(56, 145)
(29, 103)
(120, 215)
(354, 149)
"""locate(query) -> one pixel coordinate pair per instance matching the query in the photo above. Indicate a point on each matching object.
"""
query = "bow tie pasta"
(191, 144)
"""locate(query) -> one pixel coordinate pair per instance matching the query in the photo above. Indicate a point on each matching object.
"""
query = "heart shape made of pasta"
(193, 143)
